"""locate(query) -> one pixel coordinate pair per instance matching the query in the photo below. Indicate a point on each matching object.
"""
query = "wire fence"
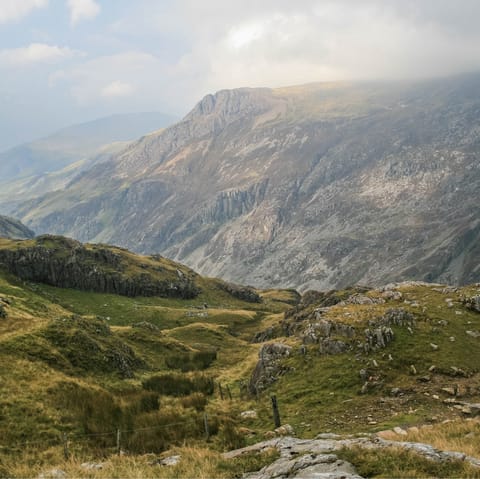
(65, 438)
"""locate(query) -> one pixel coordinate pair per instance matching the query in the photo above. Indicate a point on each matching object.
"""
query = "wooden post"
(205, 423)
(118, 441)
(276, 414)
(220, 390)
(66, 453)
(229, 393)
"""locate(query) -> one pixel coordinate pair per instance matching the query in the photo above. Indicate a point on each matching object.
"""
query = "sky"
(67, 61)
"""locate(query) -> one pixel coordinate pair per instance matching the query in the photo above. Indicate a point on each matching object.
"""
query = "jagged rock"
(67, 263)
(394, 295)
(269, 367)
(266, 335)
(378, 338)
(472, 303)
(297, 455)
(245, 293)
(324, 329)
(332, 346)
(397, 317)
(358, 298)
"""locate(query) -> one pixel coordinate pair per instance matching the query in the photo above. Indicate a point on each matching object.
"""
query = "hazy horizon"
(65, 62)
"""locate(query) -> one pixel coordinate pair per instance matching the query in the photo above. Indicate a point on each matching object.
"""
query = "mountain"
(11, 228)
(314, 186)
(75, 143)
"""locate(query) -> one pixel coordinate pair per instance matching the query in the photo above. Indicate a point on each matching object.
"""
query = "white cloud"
(34, 53)
(12, 10)
(82, 10)
(117, 88)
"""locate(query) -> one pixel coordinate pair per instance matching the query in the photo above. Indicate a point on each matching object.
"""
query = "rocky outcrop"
(67, 263)
(244, 293)
(309, 458)
(269, 366)
(11, 228)
(472, 303)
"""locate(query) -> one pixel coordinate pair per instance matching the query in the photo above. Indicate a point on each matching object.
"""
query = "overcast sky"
(67, 61)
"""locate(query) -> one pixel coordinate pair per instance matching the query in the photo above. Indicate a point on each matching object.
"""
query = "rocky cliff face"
(319, 186)
(11, 228)
(69, 264)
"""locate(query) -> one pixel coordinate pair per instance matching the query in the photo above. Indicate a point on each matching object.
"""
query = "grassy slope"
(54, 379)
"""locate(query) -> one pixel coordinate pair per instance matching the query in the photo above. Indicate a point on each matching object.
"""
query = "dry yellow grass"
(457, 435)
(198, 463)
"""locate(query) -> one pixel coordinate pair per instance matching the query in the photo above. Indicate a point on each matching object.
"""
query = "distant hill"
(75, 143)
(11, 228)
(315, 187)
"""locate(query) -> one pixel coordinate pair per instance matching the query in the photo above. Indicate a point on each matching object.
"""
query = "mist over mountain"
(315, 186)
(75, 143)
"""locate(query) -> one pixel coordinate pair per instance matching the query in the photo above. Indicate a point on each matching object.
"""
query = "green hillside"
(76, 366)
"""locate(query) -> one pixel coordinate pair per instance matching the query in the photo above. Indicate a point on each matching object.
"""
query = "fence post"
(118, 441)
(205, 423)
(276, 414)
(66, 453)
(220, 390)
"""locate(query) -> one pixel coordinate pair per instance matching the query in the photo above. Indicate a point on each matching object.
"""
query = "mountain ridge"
(315, 186)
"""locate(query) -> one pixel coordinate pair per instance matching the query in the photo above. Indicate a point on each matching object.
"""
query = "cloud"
(82, 10)
(279, 42)
(35, 53)
(116, 89)
(12, 10)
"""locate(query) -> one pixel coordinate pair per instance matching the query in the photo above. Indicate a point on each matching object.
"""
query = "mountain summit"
(315, 186)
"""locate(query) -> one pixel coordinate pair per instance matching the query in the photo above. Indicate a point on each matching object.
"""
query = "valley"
(399, 362)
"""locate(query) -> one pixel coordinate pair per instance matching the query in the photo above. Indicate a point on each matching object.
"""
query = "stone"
(413, 369)
(450, 390)
(250, 414)
(472, 303)
(473, 334)
(434, 346)
(285, 430)
(332, 346)
(92, 465)
(398, 430)
(53, 474)
(170, 461)
(269, 366)
(395, 392)
(266, 335)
